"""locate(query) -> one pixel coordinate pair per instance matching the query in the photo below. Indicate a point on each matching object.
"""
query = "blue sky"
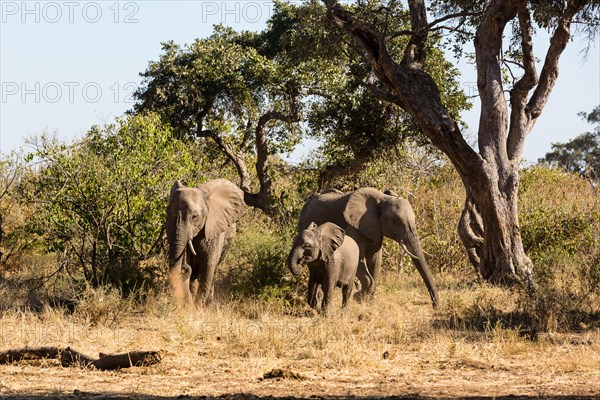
(67, 65)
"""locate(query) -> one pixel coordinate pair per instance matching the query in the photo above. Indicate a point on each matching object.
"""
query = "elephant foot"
(311, 313)
(362, 297)
(315, 300)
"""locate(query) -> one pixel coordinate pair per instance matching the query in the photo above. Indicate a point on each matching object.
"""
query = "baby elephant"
(332, 259)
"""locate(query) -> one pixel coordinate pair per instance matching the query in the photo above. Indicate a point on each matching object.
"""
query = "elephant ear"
(363, 213)
(332, 237)
(225, 203)
(177, 185)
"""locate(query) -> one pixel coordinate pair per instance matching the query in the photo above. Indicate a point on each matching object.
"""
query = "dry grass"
(394, 345)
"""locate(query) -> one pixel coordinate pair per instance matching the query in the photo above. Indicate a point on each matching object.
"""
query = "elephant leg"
(312, 291)
(320, 296)
(366, 281)
(212, 255)
(346, 293)
(195, 276)
(194, 285)
(328, 288)
(202, 267)
(373, 255)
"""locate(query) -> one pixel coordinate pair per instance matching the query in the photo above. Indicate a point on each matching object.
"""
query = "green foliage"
(257, 261)
(350, 121)
(560, 221)
(559, 213)
(99, 202)
(226, 82)
(218, 84)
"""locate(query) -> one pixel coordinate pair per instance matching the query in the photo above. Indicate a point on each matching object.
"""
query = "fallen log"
(69, 357)
(28, 353)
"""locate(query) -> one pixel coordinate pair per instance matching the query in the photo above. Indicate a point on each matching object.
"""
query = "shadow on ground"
(244, 396)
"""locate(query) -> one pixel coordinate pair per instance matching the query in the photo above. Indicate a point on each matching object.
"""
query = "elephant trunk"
(293, 259)
(416, 254)
(177, 246)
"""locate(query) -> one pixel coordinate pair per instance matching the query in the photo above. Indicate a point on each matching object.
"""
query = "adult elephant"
(368, 215)
(200, 223)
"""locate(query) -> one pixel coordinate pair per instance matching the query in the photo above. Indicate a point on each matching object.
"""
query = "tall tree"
(489, 225)
(247, 92)
(352, 125)
(224, 90)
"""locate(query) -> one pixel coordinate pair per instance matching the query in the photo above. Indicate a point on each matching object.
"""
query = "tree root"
(72, 358)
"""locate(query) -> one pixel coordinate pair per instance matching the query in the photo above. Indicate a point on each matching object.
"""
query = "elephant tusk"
(409, 253)
(192, 247)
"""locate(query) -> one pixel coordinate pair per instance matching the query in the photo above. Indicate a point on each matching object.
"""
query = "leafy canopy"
(224, 83)
(218, 84)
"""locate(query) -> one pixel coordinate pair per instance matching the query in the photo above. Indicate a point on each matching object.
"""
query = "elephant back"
(327, 206)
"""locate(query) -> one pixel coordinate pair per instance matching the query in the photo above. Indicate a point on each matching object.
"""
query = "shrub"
(99, 202)
(14, 238)
(255, 265)
(560, 219)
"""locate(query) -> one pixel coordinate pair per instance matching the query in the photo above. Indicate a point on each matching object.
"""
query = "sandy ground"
(199, 375)
(397, 346)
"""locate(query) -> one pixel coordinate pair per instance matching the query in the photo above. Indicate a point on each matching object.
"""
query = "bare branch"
(332, 171)
(261, 199)
(445, 18)
(396, 34)
(450, 29)
(235, 157)
(549, 73)
(519, 119)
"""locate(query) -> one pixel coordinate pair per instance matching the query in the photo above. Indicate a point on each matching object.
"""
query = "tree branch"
(69, 357)
(398, 34)
(415, 51)
(493, 119)
(549, 72)
(520, 123)
(452, 16)
(236, 158)
(416, 91)
(333, 171)
(262, 198)
(524, 115)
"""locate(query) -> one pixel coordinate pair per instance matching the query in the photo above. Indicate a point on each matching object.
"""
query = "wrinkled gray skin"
(368, 215)
(200, 223)
(332, 259)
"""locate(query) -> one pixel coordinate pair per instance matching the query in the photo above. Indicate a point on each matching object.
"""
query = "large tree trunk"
(489, 226)
(489, 229)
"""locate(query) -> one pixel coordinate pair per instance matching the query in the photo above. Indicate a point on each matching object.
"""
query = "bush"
(14, 238)
(99, 202)
(255, 264)
(560, 220)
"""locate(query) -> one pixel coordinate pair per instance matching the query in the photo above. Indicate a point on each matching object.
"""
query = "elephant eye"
(194, 216)
(306, 246)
